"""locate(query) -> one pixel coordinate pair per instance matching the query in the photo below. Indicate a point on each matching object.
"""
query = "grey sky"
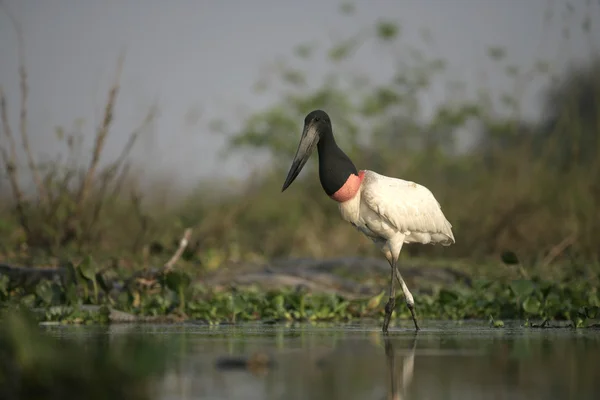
(207, 55)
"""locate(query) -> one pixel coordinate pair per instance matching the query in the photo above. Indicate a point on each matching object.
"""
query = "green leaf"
(44, 291)
(87, 268)
(522, 287)
(532, 305)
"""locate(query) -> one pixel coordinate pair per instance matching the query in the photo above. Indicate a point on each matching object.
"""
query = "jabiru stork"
(389, 211)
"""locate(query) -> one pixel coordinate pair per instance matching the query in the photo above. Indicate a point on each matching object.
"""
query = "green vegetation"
(531, 187)
(34, 365)
(173, 296)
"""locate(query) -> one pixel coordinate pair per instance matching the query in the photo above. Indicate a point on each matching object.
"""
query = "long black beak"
(308, 142)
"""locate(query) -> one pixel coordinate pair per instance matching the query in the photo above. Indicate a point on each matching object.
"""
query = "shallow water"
(445, 360)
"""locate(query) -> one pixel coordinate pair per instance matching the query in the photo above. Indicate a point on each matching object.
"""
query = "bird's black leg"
(390, 357)
(390, 305)
(410, 302)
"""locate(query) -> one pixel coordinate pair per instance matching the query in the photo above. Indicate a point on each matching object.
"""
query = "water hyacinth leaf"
(496, 323)
(375, 301)
(87, 268)
(532, 306)
(522, 288)
(28, 300)
(44, 291)
(239, 304)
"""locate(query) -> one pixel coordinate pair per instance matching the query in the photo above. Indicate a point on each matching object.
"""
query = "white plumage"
(385, 208)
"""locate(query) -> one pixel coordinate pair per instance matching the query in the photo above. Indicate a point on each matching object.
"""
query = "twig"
(12, 159)
(101, 135)
(182, 245)
(109, 173)
(10, 164)
(146, 123)
(24, 96)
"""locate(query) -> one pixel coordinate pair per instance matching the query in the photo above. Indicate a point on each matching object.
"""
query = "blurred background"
(124, 123)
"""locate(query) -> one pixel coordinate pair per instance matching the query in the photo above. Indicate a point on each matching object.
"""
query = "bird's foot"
(411, 308)
(389, 309)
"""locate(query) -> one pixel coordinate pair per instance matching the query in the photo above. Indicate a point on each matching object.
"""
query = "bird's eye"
(317, 119)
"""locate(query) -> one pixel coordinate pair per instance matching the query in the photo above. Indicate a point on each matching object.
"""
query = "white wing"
(408, 207)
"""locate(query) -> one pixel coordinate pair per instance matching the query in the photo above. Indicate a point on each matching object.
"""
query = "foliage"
(179, 295)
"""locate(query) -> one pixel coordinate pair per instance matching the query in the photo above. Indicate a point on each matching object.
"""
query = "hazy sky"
(207, 55)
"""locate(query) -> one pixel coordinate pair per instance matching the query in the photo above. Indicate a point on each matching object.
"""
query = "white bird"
(389, 211)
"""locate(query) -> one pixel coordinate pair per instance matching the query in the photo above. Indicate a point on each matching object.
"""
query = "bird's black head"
(319, 119)
(316, 124)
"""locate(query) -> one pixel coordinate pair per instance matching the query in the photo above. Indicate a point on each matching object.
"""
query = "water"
(445, 360)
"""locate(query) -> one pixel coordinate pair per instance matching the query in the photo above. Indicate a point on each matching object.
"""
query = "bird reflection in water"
(408, 364)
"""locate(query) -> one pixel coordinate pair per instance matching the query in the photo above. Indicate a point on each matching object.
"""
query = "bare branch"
(109, 174)
(9, 159)
(101, 135)
(24, 95)
(147, 121)
(111, 171)
(182, 245)
(8, 132)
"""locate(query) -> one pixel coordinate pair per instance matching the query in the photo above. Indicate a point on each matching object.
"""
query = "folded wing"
(408, 207)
